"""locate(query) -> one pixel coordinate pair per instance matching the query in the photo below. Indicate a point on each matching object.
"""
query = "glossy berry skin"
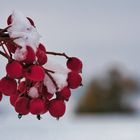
(22, 87)
(41, 57)
(35, 73)
(13, 98)
(74, 80)
(57, 108)
(42, 47)
(37, 106)
(74, 64)
(14, 69)
(22, 105)
(0, 96)
(8, 86)
(30, 57)
(64, 94)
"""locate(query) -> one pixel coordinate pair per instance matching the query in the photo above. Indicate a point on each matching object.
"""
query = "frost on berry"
(33, 82)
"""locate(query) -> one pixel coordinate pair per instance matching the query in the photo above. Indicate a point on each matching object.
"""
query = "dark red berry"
(57, 108)
(13, 98)
(0, 96)
(74, 64)
(22, 105)
(42, 47)
(37, 106)
(74, 80)
(30, 57)
(11, 47)
(14, 69)
(8, 86)
(64, 94)
(9, 20)
(41, 57)
(35, 73)
(46, 94)
(31, 21)
(22, 87)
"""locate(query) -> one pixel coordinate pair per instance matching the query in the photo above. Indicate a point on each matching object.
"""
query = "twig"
(46, 70)
(3, 54)
(59, 54)
(55, 84)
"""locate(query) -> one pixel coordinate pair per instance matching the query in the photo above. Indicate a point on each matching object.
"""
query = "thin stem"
(3, 54)
(46, 70)
(50, 76)
(59, 54)
(5, 51)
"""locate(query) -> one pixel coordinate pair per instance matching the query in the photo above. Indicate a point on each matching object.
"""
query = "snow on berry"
(33, 92)
(22, 29)
(33, 82)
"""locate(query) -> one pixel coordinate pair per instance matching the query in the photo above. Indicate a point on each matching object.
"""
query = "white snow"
(60, 76)
(20, 54)
(61, 80)
(49, 84)
(33, 92)
(25, 33)
(55, 66)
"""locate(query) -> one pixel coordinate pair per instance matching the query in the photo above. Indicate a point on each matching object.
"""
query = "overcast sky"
(100, 32)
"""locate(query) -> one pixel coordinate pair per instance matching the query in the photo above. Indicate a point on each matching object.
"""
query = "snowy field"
(70, 127)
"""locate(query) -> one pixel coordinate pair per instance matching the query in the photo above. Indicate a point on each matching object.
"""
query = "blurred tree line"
(107, 95)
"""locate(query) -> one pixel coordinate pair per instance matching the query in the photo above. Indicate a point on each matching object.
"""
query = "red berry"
(41, 57)
(37, 106)
(46, 94)
(30, 57)
(74, 64)
(31, 21)
(35, 73)
(22, 87)
(9, 20)
(22, 105)
(11, 47)
(14, 69)
(42, 47)
(0, 96)
(64, 94)
(57, 108)
(13, 98)
(74, 80)
(8, 86)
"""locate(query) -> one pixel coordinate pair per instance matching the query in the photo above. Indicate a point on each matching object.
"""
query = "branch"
(55, 84)
(59, 54)
(3, 54)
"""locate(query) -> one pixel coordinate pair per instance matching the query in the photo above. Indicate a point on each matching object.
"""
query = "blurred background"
(104, 34)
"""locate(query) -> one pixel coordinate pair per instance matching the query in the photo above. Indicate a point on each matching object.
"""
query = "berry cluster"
(33, 87)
